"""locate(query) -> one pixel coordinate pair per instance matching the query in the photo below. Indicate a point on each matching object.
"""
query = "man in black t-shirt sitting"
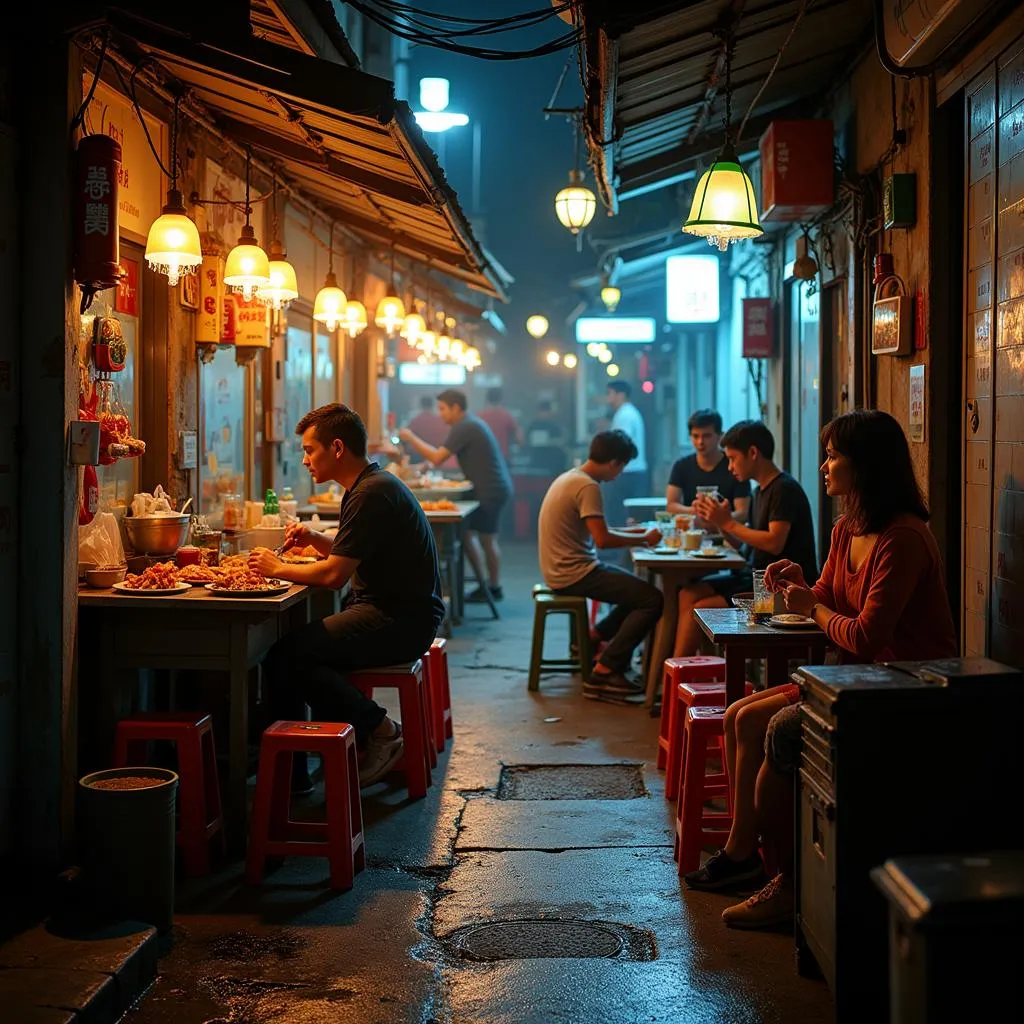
(780, 526)
(385, 546)
(707, 467)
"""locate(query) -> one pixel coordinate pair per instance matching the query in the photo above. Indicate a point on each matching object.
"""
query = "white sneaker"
(380, 757)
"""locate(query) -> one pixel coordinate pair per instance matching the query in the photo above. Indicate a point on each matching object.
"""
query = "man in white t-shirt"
(570, 528)
(633, 481)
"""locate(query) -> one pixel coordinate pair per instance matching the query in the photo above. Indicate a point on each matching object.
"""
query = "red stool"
(408, 681)
(198, 793)
(698, 669)
(274, 834)
(440, 691)
(696, 826)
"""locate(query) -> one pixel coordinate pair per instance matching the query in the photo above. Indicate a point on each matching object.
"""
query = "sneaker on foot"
(479, 596)
(380, 756)
(720, 872)
(772, 907)
(611, 696)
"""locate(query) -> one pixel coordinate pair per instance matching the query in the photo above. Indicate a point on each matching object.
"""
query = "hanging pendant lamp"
(391, 309)
(330, 302)
(172, 245)
(413, 328)
(247, 269)
(284, 285)
(353, 317)
(576, 205)
(610, 296)
(724, 206)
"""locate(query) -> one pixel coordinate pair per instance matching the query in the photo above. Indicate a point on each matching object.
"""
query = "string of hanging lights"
(330, 303)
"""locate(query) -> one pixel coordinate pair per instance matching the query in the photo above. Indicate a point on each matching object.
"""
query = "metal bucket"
(127, 845)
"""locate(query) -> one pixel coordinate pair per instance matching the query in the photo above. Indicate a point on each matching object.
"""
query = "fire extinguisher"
(97, 257)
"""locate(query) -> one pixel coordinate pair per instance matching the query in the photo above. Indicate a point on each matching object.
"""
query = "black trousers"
(636, 609)
(309, 665)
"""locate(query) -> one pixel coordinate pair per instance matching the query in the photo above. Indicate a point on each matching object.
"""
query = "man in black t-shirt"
(385, 546)
(780, 526)
(707, 467)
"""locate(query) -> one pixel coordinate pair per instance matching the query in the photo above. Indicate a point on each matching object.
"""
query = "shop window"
(325, 376)
(298, 398)
(223, 429)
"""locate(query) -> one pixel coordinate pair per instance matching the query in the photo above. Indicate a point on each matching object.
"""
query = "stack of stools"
(696, 826)
(413, 696)
(274, 833)
(546, 603)
(199, 812)
(439, 686)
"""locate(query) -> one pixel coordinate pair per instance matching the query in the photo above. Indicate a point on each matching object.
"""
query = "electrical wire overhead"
(447, 31)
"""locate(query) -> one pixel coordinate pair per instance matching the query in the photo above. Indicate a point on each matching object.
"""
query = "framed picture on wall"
(189, 291)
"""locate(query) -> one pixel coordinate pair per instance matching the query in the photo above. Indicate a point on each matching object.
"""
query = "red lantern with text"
(97, 264)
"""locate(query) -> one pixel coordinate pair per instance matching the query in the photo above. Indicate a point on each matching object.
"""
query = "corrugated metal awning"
(340, 136)
(656, 102)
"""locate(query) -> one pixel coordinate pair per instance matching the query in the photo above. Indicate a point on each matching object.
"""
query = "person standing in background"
(473, 444)
(632, 482)
(429, 425)
(503, 424)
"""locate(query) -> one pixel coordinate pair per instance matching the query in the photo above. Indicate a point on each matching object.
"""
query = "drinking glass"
(662, 516)
(764, 599)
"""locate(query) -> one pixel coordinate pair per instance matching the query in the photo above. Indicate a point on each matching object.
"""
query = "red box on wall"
(797, 170)
(758, 329)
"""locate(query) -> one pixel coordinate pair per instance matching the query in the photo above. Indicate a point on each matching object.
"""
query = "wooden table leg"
(664, 638)
(238, 736)
(777, 668)
(735, 672)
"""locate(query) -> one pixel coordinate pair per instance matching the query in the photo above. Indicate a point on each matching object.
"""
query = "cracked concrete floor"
(293, 951)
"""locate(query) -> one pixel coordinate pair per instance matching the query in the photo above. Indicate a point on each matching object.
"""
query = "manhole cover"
(552, 937)
(571, 782)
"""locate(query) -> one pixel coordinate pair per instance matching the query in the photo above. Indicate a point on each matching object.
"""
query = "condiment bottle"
(270, 506)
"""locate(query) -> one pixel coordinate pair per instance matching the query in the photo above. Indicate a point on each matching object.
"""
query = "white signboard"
(142, 185)
(618, 330)
(691, 289)
(431, 373)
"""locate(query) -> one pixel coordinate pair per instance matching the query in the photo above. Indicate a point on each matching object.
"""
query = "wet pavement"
(393, 949)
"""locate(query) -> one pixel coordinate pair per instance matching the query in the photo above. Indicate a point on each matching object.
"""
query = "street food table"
(743, 640)
(448, 525)
(194, 630)
(453, 490)
(675, 571)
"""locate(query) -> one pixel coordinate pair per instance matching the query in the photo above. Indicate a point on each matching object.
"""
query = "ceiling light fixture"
(576, 205)
(537, 325)
(172, 245)
(283, 285)
(724, 208)
(330, 303)
(247, 269)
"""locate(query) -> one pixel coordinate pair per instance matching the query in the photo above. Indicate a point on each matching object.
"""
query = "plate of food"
(248, 584)
(301, 556)
(716, 553)
(790, 620)
(663, 549)
(154, 581)
(201, 574)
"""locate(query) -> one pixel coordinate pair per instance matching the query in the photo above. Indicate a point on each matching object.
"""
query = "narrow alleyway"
(293, 951)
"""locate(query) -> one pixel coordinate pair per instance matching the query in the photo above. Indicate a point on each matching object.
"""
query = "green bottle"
(270, 506)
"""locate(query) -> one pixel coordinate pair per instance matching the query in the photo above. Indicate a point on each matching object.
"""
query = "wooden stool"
(274, 833)
(198, 792)
(545, 604)
(440, 691)
(408, 681)
(697, 827)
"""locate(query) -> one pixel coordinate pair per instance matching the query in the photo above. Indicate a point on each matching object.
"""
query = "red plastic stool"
(198, 793)
(440, 691)
(408, 681)
(696, 826)
(274, 834)
(698, 669)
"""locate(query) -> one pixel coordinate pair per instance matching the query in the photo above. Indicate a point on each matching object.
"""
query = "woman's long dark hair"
(883, 482)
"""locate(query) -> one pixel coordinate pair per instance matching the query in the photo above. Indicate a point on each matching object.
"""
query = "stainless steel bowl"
(157, 535)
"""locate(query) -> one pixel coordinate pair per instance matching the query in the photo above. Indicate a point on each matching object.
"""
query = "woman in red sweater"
(880, 597)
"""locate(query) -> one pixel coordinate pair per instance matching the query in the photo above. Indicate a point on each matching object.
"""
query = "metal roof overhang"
(656, 80)
(340, 137)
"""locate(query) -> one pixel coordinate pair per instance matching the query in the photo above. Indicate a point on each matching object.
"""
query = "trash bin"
(955, 923)
(127, 833)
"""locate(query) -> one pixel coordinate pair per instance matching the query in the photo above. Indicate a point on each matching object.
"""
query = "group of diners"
(881, 596)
